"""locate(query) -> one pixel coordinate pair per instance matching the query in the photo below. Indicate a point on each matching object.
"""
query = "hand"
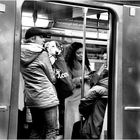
(86, 77)
(101, 69)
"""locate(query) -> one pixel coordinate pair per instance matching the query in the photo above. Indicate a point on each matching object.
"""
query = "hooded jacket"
(38, 76)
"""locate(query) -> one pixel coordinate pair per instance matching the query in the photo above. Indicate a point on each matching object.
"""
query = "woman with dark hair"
(74, 62)
(71, 55)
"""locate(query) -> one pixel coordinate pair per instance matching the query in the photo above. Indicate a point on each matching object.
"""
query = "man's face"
(40, 40)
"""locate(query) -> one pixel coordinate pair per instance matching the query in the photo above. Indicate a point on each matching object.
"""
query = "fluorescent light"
(27, 21)
(92, 16)
(103, 16)
(27, 14)
(41, 23)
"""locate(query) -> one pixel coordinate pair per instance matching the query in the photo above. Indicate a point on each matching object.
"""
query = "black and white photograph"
(70, 69)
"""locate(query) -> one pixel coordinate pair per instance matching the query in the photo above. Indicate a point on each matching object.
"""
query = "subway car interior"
(65, 22)
(109, 32)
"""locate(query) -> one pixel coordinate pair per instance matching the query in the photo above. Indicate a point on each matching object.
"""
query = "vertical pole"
(83, 60)
(109, 37)
(35, 13)
(98, 17)
(85, 9)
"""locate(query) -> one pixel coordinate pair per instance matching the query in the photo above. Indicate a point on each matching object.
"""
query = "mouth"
(58, 53)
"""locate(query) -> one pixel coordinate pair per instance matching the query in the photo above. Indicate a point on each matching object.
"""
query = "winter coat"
(38, 76)
(93, 107)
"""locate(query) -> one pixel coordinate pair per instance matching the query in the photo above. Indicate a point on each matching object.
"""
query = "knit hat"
(34, 31)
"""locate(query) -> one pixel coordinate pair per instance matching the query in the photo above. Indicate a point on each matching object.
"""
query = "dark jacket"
(92, 107)
(92, 125)
(63, 82)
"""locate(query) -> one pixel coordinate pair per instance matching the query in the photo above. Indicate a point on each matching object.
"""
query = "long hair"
(71, 55)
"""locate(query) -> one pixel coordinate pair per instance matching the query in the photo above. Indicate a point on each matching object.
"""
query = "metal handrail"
(133, 108)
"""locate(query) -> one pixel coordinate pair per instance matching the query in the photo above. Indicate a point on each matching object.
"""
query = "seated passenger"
(92, 107)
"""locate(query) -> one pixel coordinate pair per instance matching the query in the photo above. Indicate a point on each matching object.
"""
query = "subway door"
(8, 105)
(131, 73)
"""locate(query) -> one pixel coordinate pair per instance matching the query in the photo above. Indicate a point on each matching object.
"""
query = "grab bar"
(133, 108)
(2, 8)
(3, 108)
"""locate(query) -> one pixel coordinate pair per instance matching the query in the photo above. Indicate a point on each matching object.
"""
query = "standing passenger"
(74, 63)
(40, 93)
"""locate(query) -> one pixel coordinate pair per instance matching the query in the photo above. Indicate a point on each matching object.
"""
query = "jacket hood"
(29, 52)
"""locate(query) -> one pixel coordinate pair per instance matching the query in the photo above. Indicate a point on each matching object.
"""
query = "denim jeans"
(44, 123)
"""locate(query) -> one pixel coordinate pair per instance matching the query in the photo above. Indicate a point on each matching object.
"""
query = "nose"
(56, 53)
(43, 39)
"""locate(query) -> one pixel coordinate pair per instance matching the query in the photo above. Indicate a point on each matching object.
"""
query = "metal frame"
(115, 110)
(13, 119)
(115, 106)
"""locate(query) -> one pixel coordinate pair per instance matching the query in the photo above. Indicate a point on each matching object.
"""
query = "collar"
(52, 59)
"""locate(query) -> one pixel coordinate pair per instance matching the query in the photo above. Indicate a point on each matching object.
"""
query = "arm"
(75, 82)
(93, 95)
(47, 67)
(87, 102)
(94, 78)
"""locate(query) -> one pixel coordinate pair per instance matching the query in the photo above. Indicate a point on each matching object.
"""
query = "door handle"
(2, 8)
(3, 108)
(133, 108)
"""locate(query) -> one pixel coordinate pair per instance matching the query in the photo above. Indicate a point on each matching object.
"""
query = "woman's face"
(79, 54)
